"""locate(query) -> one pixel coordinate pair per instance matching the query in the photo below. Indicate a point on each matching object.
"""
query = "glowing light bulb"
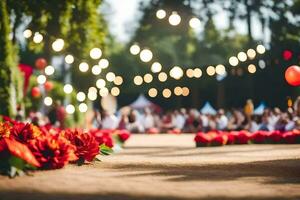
(156, 67)
(27, 33)
(103, 63)
(49, 70)
(118, 80)
(41, 79)
(58, 45)
(176, 72)
(197, 72)
(251, 68)
(194, 22)
(69, 59)
(210, 71)
(80, 96)
(242, 56)
(115, 91)
(96, 70)
(48, 101)
(95, 53)
(220, 69)
(82, 107)
(138, 80)
(103, 92)
(148, 78)
(233, 61)
(152, 92)
(135, 49)
(160, 14)
(83, 67)
(37, 38)
(68, 89)
(146, 55)
(100, 83)
(260, 49)
(110, 76)
(251, 53)
(174, 19)
(167, 93)
(70, 109)
(162, 76)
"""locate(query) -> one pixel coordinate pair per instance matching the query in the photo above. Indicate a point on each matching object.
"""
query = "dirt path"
(170, 167)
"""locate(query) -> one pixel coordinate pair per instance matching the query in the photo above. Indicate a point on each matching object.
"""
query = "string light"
(138, 80)
(185, 91)
(160, 14)
(210, 71)
(197, 72)
(152, 92)
(92, 94)
(146, 55)
(82, 107)
(190, 73)
(148, 78)
(162, 76)
(96, 70)
(110, 76)
(115, 91)
(242, 56)
(233, 61)
(220, 69)
(156, 67)
(251, 68)
(194, 22)
(100, 83)
(58, 45)
(95, 53)
(174, 19)
(27, 33)
(49, 70)
(118, 80)
(41, 79)
(83, 67)
(135, 49)
(48, 101)
(167, 93)
(70, 109)
(260, 49)
(251, 53)
(37, 38)
(176, 72)
(69, 59)
(103, 63)
(80, 96)
(103, 92)
(178, 91)
(68, 89)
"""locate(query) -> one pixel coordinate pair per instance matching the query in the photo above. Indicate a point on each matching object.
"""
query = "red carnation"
(53, 152)
(231, 138)
(87, 148)
(103, 137)
(275, 137)
(290, 137)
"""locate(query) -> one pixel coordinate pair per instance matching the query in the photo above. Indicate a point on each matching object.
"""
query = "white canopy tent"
(208, 109)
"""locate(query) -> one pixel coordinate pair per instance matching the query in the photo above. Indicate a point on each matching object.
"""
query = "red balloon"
(40, 63)
(48, 86)
(35, 92)
(292, 75)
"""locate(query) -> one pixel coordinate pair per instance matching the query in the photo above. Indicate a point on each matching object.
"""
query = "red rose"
(53, 152)
(87, 147)
(12, 147)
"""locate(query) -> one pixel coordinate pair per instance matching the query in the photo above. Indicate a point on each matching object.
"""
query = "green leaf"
(105, 150)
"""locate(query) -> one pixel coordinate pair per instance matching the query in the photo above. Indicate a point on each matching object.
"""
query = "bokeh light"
(174, 19)
(233, 61)
(48, 101)
(251, 53)
(251, 68)
(197, 72)
(189, 73)
(194, 22)
(82, 107)
(41, 79)
(68, 89)
(100, 83)
(49, 70)
(138, 80)
(27, 33)
(178, 91)
(83, 67)
(69, 59)
(220, 69)
(152, 92)
(70, 109)
(162, 76)
(135, 49)
(210, 70)
(110, 76)
(37, 38)
(176, 72)
(58, 45)
(96, 70)
(95, 53)
(80, 96)
(185, 91)
(118, 80)
(146, 55)
(115, 91)
(260, 49)
(156, 67)
(103, 92)
(148, 78)
(242, 56)
(160, 14)
(103, 63)
(166, 93)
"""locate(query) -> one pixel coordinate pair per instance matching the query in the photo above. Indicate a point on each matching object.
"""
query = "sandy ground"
(170, 167)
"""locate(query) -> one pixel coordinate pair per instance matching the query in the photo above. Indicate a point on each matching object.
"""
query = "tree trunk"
(248, 17)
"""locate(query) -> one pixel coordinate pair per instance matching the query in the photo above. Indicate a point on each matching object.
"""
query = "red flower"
(4, 130)
(123, 135)
(275, 137)
(259, 137)
(231, 138)
(242, 137)
(53, 152)
(12, 147)
(87, 147)
(202, 139)
(219, 140)
(290, 137)
(103, 137)
(25, 132)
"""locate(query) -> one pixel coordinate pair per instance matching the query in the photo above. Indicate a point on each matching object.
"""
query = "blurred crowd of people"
(181, 120)
(192, 120)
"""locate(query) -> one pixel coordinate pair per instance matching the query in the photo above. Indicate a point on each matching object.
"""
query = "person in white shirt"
(148, 119)
(222, 120)
(109, 121)
(179, 120)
